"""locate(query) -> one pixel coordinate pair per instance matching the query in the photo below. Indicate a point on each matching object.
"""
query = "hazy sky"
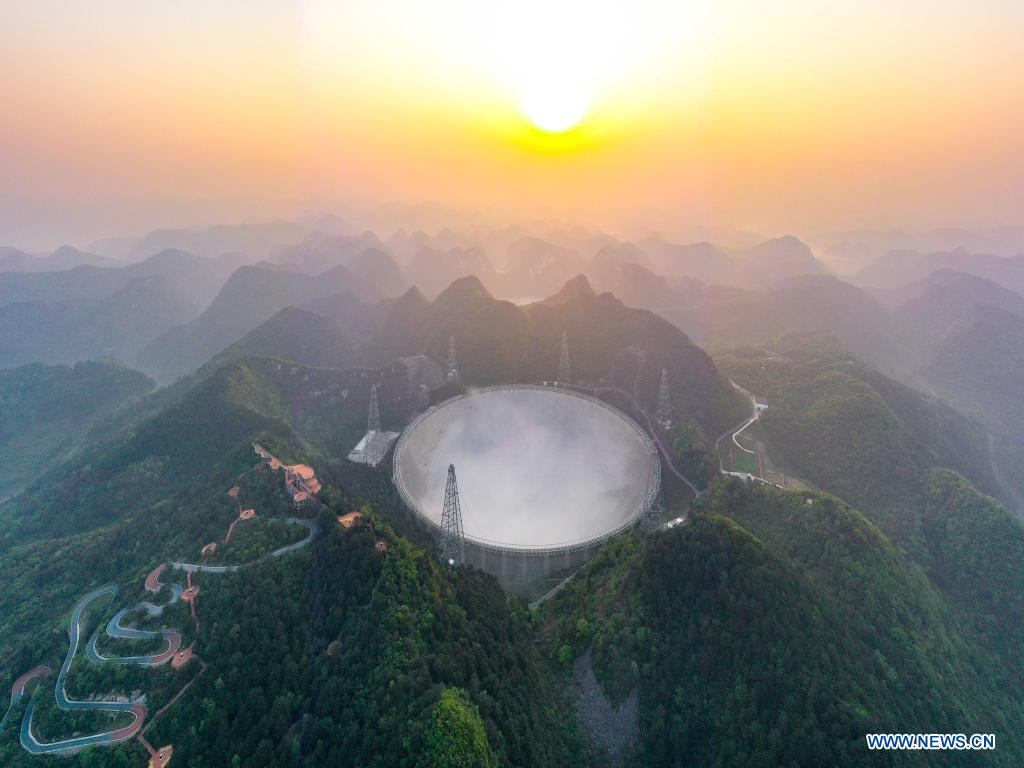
(120, 115)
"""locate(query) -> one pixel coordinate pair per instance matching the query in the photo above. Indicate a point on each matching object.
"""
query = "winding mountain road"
(18, 690)
(314, 529)
(29, 741)
(114, 629)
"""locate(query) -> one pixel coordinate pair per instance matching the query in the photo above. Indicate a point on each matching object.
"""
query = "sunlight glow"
(557, 58)
(555, 108)
(554, 63)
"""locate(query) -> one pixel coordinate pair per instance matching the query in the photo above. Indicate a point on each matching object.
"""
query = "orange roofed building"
(300, 480)
(304, 471)
(349, 519)
(301, 483)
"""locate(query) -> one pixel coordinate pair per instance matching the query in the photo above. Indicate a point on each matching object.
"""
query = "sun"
(555, 107)
(555, 58)
(554, 75)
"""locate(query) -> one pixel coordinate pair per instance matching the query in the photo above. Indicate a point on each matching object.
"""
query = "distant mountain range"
(365, 257)
(904, 310)
(65, 257)
(901, 267)
(884, 596)
(119, 325)
(953, 334)
(497, 341)
(849, 251)
(196, 277)
(249, 297)
(254, 240)
(82, 313)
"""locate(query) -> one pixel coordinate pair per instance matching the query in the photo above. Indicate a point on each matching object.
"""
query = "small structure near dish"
(374, 445)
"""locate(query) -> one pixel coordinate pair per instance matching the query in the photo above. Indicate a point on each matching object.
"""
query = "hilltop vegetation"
(46, 413)
(976, 557)
(769, 631)
(773, 628)
(347, 656)
(340, 653)
(856, 433)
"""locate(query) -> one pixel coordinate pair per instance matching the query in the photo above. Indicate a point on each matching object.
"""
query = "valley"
(808, 491)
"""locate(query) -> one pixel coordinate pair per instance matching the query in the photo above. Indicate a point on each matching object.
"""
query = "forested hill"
(979, 366)
(336, 655)
(47, 411)
(772, 628)
(344, 656)
(498, 342)
(179, 433)
(850, 430)
(777, 628)
(358, 649)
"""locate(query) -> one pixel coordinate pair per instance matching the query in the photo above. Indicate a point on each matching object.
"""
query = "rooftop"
(304, 471)
(347, 520)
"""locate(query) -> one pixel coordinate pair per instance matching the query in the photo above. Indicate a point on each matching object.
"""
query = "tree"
(455, 736)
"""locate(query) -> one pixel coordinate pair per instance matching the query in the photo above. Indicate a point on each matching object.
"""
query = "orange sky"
(119, 116)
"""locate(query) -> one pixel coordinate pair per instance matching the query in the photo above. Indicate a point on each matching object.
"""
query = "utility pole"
(641, 362)
(373, 436)
(564, 371)
(453, 363)
(664, 413)
(453, 544)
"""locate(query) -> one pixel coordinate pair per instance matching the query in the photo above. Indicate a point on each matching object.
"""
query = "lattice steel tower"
(641, 362)
(453, 363)
(564, 371)
(373, 435)
(411, 390)
(664, 413)
(453, 544)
